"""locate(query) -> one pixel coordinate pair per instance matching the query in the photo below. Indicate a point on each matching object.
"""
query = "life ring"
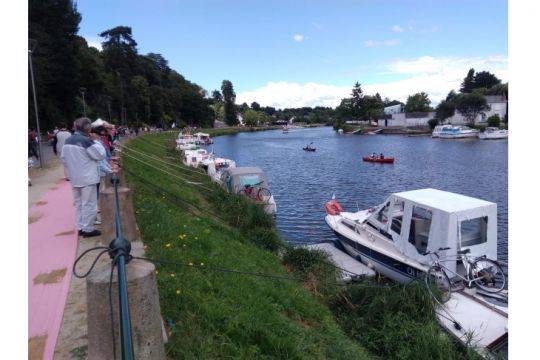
(333, 207)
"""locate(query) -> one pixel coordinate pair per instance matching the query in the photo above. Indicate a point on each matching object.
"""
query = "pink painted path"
(52, 247)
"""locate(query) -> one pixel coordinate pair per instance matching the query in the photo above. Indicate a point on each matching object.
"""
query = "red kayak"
(378, 160)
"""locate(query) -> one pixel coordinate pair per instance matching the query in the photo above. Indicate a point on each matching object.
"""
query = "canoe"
(309, 149)
(377, 160)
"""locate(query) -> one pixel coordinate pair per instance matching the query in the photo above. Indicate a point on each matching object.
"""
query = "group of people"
(87, 158)
(374, 156)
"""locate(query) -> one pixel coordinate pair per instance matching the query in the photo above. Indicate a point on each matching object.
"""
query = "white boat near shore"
(438, 129)
(394, 237)
(458, 132)
(493, 133)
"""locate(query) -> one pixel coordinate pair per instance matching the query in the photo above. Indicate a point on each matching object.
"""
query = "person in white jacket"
(58, 143)
(81, 156)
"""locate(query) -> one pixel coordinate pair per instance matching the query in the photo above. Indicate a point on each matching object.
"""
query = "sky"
(310, 53)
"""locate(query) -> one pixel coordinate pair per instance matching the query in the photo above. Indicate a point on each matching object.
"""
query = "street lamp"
(31, 47)
(83, 90)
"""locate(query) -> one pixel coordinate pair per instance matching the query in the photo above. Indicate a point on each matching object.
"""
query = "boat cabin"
(428, 219)
(202, 138)
(236, 179)
(194, 158)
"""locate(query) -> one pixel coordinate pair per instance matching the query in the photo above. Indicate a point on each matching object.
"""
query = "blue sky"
(290, 53)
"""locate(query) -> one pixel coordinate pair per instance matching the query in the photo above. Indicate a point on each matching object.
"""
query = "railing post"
(120, 249)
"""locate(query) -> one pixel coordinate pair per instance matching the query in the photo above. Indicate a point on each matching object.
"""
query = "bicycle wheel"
(487, 275)
(263, 195)
(438, 281)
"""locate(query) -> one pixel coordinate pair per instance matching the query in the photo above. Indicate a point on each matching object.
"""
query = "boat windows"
(399, 206)
(249, 180)
(419, 229)
(382, 216)
(474, 231)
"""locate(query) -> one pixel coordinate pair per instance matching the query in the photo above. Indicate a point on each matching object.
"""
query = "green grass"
(212, 314)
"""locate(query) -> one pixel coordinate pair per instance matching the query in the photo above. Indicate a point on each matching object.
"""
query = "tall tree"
(53, 24)
(229, 98)
(357, 101)
(255, 106)
(468, 83)
(418, 102)
(216, 96)
(451, 95)
(470, 105)
(445, 110)
(485, 79)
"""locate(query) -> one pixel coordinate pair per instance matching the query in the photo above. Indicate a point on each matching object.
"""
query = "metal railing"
(120, 249)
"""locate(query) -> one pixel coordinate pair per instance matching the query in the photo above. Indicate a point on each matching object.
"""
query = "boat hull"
(305, 149)
(383, 161)
(459, 135)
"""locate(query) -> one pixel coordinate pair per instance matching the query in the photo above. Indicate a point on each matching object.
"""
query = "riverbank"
(187, 219)
(210, 311)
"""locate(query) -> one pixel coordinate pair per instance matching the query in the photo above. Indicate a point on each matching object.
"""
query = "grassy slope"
(216, 314)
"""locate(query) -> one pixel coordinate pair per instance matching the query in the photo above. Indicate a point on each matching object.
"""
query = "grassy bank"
(215, 314)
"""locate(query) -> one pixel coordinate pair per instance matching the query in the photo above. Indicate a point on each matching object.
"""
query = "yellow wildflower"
(190, 264)
(173, 274)
(177, 291)
(168, 245)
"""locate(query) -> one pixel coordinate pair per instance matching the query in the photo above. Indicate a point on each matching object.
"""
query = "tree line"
(125, 87)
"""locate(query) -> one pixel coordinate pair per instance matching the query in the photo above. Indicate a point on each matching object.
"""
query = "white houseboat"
(458, 132)
(394, 237)
(438, 129)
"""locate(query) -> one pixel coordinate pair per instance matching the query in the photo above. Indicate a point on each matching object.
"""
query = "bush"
(494, 120)
(432, 123)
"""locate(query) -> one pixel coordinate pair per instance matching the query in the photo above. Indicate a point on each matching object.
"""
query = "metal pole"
(35, 107)
(82, 90)
(122, 248)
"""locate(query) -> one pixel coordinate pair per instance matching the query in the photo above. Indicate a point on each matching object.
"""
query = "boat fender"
(333, 207)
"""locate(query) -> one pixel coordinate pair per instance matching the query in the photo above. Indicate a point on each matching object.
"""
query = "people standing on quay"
(97, 134)
(81, 156)
(32, 144)
(58, 143)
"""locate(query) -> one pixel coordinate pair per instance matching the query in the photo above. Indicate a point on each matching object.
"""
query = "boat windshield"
(419, 229)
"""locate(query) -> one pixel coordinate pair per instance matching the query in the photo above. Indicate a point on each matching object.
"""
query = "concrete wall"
(401, 120)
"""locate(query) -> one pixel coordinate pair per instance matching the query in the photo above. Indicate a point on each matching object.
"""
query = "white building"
(394, 109)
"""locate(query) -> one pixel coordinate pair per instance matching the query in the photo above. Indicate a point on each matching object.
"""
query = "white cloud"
(298, 38)
(397, 28)
(372, 43)
(435, 76)
(94, 41)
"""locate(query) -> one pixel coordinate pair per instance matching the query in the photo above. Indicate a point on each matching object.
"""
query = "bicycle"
(263, 194)
(484, 273)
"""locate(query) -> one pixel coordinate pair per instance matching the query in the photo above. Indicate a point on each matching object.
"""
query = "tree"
(468, 83)
(54, 25)
(451, 95)
(229, 98)
(251, 118)
(470, 105)
(445, 110)
(494, 120)
(216, 96)
(418, 102)
(357, 101)
(255, 106)
(485, 79)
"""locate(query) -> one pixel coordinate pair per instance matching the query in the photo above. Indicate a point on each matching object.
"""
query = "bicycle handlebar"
(435, 252)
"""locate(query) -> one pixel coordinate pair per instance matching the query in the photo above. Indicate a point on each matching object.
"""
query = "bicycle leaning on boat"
(484, 273)
(255, 192)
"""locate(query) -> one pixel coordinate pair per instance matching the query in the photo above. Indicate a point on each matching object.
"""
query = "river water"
(302, 182)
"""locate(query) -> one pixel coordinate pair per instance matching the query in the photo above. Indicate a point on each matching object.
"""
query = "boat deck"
(351, 268)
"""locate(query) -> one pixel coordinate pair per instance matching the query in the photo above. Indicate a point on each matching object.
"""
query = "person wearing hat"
(81, 156)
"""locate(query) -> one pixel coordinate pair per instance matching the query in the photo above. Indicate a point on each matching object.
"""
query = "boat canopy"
(237, 178)
(428, 219)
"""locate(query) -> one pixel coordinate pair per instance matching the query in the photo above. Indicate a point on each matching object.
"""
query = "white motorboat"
(194, 158)
(203, 139)
(393, 237)
(215, 166)
(438, 129)
(186, 142)
(458, 132)
(493, 133)
(250, 181)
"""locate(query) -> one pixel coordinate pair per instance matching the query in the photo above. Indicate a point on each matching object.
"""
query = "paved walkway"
(52, 245)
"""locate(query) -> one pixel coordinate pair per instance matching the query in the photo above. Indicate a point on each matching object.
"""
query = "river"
(302, 182)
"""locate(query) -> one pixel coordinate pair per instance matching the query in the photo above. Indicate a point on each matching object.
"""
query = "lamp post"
(83, 90)
(32, 46)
